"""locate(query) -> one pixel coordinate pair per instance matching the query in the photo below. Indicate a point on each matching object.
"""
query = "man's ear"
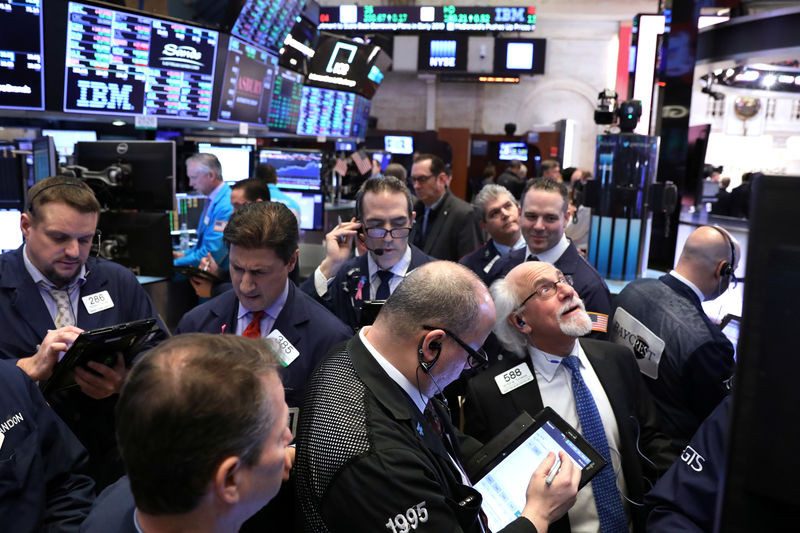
(228, 480)
(293, 260)
(25, 224)
(516, 320)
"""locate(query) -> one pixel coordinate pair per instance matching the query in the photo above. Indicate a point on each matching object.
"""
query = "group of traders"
(195, 434)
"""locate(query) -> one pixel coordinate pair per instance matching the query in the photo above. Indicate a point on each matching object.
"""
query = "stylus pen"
(553, 471)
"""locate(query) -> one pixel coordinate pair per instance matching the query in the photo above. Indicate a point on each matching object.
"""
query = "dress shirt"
(271, 313)
(502, 249)
(210, 200)
(553, 254)
(73, 289)
(400, 269)
(555, 386)
(688, 284)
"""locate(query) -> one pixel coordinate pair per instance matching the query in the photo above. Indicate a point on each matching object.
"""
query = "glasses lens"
(400, 233)
(376, 233)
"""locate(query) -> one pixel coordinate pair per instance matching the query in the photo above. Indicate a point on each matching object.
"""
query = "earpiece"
(520, 322)
(727, 267)
(433, 345)
(425, 365)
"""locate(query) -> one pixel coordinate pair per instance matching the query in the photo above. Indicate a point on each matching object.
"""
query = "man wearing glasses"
(594, 385)
(445, 227)
(383, 224)
(376, 451)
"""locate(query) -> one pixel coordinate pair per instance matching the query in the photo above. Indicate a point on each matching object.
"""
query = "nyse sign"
(105, 95)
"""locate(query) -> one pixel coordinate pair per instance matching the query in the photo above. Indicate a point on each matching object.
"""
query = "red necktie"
(253, 329)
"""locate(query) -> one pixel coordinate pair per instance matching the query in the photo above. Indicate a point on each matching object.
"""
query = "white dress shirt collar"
(688, 283)
(553, 254)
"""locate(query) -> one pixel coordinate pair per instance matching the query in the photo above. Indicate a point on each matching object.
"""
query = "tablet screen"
(503, 488)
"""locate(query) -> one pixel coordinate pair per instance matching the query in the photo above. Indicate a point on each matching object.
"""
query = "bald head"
(440, 293)
(703, 259)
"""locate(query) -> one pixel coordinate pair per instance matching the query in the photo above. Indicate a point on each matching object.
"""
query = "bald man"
(686, 360)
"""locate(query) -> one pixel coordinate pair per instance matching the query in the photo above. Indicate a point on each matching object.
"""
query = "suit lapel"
(291, 316)
(94, 285)
(527, 397)
(608, 374)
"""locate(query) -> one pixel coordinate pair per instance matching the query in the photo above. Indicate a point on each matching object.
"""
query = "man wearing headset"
(687, 362)
(50, 291)
(376, 451)
(385, 217)
(594, 385)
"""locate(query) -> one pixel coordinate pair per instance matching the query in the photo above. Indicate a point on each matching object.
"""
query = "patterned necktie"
(64, 307)
(604, 485)
(253, 329)
(383, 289)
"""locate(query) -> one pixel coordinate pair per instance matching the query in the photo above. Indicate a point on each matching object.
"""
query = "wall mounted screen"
(247, 84)
(266, 23)
(126, 63)
(21, 49)
(326, 112)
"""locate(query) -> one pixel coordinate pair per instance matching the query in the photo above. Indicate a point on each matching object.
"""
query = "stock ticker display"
(266, 22)
(247, 85)
(125, 63)
(326, 112)
(284, 105)
(21, 64)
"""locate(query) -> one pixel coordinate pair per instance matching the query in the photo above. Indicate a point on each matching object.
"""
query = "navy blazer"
(588, 283)
(25, 316)
(454, 231)
(343, 298)
(311, 328)
(645, 452)
(482, 260)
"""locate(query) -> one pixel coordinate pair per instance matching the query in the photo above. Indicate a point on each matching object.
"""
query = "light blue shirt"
(73, 289)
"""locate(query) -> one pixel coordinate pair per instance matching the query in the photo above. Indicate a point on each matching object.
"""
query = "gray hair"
(397, 170)
(506, 301)
(208, 162)
(436, 297)
(489, 193)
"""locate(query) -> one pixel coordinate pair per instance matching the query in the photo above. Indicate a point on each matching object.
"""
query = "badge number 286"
(412, 518)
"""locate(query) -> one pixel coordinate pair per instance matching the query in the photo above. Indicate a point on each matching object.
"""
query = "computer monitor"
(296, 169)
(121, 62)
(285, 101)
(513, 150)
(247, 84)
(312, 207)
(234, 158)
(398, 144)
(326, 112)
(45, 162)
(139, 241)
(65, 140)
(142, 173)
(10, 232)
(22, 45)
(519, 56)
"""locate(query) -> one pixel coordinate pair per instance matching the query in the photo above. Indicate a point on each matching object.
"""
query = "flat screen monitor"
(145, 170)
(382, 158)
(234, 158)
(296, 169)
(361, 117)
(45, 163)
(442, 53)
(519, 56)
(12, 182)
(124, 63)
(326, 112)
(266, 23)
(513, 150)
(10, 232)
(65, 140)
(345, 146)
(343, 64)
(247, 84)
(21, 55)
(285, 100)
(312, 207)
(398, 144)
(140, 241)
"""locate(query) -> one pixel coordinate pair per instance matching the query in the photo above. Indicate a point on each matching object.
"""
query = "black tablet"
(501, 470)
(191, 272)
(101, 345)
(369, 311)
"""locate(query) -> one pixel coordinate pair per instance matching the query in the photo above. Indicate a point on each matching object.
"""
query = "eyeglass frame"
(475, 358)
(385, 231)
(420, 179)
(564, 278)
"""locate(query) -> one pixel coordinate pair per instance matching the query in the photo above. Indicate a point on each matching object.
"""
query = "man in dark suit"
(384, 217)
(499, 213)
(544, 218)
(594, 385)
(376, 451)
(50, 291)
(513, 178)
(445, 227)
(263, 240)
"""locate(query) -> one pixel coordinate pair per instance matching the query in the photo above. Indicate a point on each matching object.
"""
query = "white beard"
(579, 323)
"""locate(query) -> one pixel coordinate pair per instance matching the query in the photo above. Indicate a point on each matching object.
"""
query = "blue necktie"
(604, 485)
(425, 223)
(383, 289)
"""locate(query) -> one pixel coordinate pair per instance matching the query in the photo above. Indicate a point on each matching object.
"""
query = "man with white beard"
(594, 385)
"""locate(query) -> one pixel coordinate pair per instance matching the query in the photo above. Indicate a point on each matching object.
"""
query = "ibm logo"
(100, 95)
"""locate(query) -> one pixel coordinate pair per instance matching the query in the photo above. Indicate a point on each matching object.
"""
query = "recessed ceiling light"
(118, 123)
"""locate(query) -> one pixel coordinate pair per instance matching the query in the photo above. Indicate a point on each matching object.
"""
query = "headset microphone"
(376, 251)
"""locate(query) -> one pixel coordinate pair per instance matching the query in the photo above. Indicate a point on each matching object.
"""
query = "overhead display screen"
(519, 56)
(126, 63)
(284, 105)
(428, 18)
(21, 63)
(443, 53)
(326, 112)
(247, 85)
(266, 23)
(341, 63)
(360, 117)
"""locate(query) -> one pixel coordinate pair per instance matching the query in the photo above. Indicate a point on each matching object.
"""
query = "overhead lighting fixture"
(748, 75)
(118, 123)
(777, 77)
(769, 80)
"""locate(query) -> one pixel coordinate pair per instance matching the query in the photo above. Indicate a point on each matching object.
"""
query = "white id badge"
(286, 350)
(99, 301)
(513, 378)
